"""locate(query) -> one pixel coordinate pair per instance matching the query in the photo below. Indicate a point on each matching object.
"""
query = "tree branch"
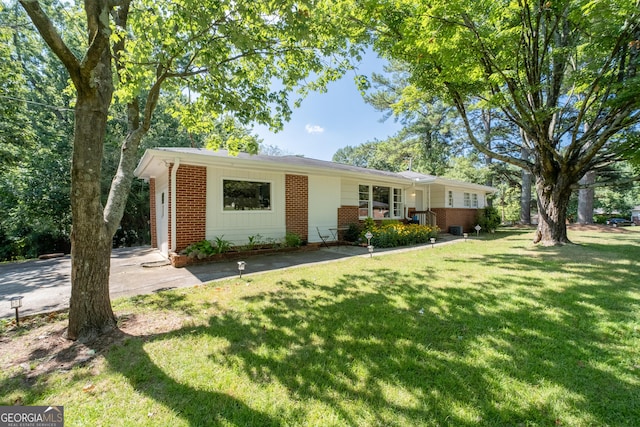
(51, 36)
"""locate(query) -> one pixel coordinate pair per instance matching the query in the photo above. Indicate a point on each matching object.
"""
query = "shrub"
(204, 248)
(222, 245)
(200, 250)
(394, 234)
(488, 218)
(353, 233)
(292, 240)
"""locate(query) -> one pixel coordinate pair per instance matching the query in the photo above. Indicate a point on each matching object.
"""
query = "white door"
(162, 220)
(419, 201)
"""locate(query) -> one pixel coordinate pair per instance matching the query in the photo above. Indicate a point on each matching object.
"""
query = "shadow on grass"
(385, 348)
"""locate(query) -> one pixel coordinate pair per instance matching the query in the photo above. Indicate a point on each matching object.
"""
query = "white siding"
(439, 197)
(349, 193)
(324, 201)
(237, 226)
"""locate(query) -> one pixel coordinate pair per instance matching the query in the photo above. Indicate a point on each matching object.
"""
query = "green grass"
(486, 332)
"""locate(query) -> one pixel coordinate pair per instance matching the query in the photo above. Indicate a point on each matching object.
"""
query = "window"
(363, 210)
(380, 202)
(474, 200)
(246, 195)
(450, 198)
(467, 200)
(398, 209)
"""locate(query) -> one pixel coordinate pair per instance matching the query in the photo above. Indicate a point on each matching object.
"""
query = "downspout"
(174, 173)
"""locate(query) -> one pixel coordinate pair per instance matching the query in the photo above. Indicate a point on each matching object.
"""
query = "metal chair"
(323, 237)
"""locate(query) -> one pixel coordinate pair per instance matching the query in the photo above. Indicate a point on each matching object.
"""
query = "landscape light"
(241, 265)
(465, 235)
(16, 302)
(370, 249)
(433, 240)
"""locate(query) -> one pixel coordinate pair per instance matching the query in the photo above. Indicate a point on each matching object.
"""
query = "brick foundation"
(446, 217)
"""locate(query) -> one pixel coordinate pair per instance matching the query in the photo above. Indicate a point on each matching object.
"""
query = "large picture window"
(380, 202)
(246, 195)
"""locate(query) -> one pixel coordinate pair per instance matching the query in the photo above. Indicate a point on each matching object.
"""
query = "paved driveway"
(46, 284)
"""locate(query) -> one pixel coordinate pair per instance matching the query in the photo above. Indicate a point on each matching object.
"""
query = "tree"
(229, 53)
(563, 72)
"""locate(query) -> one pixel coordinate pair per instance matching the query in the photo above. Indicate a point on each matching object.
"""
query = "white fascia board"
(154, 156)
(467, 185)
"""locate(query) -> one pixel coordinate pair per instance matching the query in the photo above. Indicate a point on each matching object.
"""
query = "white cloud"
(314, 128)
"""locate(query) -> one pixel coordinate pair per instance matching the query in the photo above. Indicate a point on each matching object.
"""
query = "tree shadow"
(412, 350)
(196, 406)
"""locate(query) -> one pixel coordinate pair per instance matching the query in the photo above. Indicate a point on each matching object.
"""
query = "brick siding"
(347, 215)
(191, 205)
(446, 217)
(297, 205)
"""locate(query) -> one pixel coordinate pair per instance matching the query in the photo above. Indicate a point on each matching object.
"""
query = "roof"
(154, 162)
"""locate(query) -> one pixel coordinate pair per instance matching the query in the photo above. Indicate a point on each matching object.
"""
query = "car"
(618, 222)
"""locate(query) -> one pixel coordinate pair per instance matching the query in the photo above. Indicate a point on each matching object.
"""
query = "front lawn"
(489, 332)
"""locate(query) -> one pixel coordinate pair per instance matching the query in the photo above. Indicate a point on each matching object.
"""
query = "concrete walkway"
(46, 284)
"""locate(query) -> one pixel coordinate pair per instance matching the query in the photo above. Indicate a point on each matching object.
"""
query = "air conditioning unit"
(456, 230)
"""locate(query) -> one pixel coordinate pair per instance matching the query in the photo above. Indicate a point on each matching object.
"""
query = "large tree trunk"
(553, 200)
(90, 311)
(585, 199)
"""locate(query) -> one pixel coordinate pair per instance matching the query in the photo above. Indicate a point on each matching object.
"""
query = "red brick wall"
(152, 213)
(347, 215)
(191, 205)
(297, 205)
(447, 217)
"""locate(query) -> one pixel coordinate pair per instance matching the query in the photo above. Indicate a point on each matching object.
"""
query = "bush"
(205, 248)
(392, 234)
(488, 218)
(200, 250)
(353, 233)
(292, 240)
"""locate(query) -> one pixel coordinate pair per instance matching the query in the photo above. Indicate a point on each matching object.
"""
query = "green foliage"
(200, 250)
(394, 233)
(515, 66)
(488, 218)
(368, 225)
(353, 233)
(221, 245)
(206, 248)
(292, 240)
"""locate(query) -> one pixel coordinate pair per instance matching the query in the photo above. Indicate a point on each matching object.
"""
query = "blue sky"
(328, 121)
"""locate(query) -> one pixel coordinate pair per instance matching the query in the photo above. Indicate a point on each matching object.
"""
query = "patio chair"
(324, 237)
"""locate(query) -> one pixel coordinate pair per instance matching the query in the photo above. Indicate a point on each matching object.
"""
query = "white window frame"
(467, 200)
(396, 207)
(474, 200)
(450, 201)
